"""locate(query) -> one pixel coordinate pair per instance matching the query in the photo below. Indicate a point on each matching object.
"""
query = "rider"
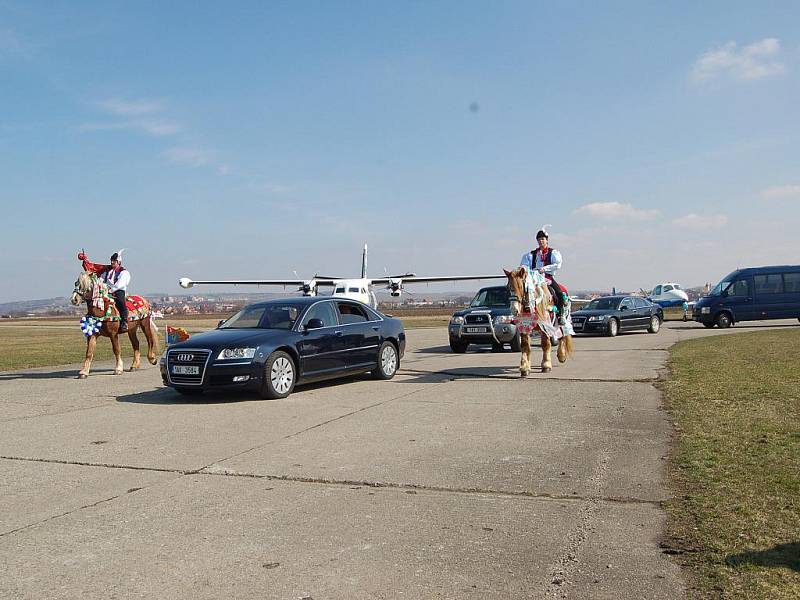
(117, 278)
(547, 261)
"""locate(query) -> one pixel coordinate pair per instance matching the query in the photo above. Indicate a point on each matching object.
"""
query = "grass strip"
(735, 469)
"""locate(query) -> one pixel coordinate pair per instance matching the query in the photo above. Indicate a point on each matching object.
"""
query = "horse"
(531, 296)
(100, 305)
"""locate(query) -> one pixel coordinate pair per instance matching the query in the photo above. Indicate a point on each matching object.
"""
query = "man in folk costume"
(117, 278)
(547, 261)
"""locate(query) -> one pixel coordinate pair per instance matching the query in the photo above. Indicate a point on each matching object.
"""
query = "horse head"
(518, 290)
(83, 288)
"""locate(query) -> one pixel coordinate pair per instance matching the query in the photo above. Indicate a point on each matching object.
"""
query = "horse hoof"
(153, 361)
(118, 372)
(546, 369)
(523, 374)
(82, 376)
(562, 360)
(132, 369)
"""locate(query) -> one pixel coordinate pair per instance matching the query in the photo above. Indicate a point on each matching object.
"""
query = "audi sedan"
(272, 346)
(611, 314)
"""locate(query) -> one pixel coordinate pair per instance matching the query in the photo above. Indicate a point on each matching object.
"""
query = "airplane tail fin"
(364, 263)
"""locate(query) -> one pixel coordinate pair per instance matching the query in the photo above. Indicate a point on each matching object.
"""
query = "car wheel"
(724, 320)
(280, 376)
(612, 329)
(655, 324)
(516, 343)
(189, 391)
(387, 361)
(708, 325)
(458, 347)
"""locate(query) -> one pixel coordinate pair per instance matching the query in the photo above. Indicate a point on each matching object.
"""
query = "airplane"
(361, 288)
(668, 294)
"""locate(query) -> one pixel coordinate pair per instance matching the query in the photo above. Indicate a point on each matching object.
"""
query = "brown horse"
(533, 297)
(99, 303)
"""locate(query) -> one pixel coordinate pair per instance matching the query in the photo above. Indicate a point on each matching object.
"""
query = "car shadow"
(783, 555)
(168, 396)
(71, 374)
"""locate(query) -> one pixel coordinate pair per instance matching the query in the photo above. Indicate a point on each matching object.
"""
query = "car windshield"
(491, 297)
(270, 316)
(603, 304)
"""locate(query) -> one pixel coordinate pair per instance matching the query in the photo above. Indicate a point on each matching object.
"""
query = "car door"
(627, 314)
(357, 335)
(317, 347)
(642, 312)
(739, 299)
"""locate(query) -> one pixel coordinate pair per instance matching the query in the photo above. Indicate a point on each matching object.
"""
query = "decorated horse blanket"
(541, 315)
(138, 307)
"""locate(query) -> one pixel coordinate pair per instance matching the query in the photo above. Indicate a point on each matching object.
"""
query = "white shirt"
(555, 262)
(117, 281)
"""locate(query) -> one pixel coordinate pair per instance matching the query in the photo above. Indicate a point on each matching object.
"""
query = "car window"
(324, 311)
(280, 316)
(351, 313)
(627, 302)
(641, 303)
(768, 284)
(247, 318)
(491, 297)
(603, 304)
(791, 283)
(740, 287)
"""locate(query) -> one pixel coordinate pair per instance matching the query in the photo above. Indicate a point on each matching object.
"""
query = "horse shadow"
(782, 555)
(70, 374)
(445, 375)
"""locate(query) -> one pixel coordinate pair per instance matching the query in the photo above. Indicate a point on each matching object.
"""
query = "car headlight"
(706, 310)
(504, 319)
(597, 318)
(456, 320)
(236, 353)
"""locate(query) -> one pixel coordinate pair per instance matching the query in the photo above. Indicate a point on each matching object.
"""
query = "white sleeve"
(525, 261)
(122, 281)
(555, 262)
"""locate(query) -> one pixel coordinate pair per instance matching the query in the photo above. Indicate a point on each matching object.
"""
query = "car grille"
(178, 358)
(477, 319)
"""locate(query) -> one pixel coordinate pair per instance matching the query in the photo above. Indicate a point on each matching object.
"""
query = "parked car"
(487, 320)
(272, 346)
(611, 314)
(751, 294)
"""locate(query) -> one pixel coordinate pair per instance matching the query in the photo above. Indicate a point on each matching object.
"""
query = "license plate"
(185, 370)
(476, 330)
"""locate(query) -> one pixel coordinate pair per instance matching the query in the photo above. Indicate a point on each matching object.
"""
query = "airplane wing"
(415, 279)
(185, 282)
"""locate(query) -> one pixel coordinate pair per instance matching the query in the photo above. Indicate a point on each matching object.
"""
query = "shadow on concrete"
(511, 373)
(71, 374)
(782, 555)
(473, 349)
(167, 395)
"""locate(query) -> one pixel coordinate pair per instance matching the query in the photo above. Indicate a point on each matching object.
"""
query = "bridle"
(525, 301)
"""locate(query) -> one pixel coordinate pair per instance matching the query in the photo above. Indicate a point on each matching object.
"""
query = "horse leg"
(525, 355)
(117, 353)
(152, 340)
(136, 364)
(91, 342)
(547, 366)
(564, 348)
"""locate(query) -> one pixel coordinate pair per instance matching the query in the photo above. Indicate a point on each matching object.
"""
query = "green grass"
(735, 519)
(29, 343)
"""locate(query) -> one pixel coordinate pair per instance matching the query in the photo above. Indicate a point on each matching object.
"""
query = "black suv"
(487, 320)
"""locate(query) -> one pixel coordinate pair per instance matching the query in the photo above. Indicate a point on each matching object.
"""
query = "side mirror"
(314, 324)
(623, 307)
(221, 322)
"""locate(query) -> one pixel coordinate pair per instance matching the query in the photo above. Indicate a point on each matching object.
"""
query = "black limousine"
(611, 314)
(272, 346)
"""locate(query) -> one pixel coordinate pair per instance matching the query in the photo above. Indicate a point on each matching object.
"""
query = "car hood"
(503, 310)
(218, 338)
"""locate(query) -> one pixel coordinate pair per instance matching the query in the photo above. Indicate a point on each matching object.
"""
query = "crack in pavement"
(473, 376)
(50, 414)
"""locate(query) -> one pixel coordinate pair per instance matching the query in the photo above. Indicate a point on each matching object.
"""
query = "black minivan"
(750, 295)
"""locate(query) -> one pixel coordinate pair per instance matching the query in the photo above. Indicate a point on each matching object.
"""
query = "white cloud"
(781, 192)
(155, 128)
(697, 222)
(754, 61)
(190, 156)
(130, 108)
(617, 210)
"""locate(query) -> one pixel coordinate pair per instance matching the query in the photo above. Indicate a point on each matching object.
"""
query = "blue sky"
(253, 139)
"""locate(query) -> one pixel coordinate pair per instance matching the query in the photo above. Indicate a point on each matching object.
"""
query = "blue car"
(272, 346)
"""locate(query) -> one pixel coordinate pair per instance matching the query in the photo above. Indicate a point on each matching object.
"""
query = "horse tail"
(154, 331)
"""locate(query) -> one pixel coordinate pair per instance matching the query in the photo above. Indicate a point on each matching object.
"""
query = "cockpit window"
(339, 290)
(353, 290)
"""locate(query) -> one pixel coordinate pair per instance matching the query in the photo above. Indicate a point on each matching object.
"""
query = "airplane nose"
(185, 282)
